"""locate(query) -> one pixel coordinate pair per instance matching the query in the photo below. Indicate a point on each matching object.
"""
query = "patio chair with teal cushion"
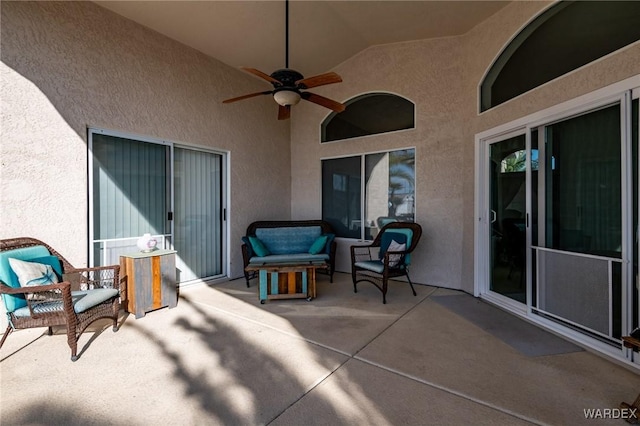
(40, 288)
(388, 256)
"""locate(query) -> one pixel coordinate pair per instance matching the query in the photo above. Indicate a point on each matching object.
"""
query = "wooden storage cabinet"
(151, 281)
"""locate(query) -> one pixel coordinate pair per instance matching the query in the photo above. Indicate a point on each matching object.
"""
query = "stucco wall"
(441, 76)
(70, 65)
(482, 45)
(428, 73)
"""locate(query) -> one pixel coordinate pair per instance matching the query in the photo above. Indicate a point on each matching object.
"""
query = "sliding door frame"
(224, 187)
(623, 93)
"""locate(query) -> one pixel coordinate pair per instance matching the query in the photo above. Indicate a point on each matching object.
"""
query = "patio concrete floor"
(220, 357)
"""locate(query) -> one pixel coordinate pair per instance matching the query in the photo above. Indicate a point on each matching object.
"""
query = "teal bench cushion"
(7, 276)
(318, 245)
(287, 240)
(289, 258)
(330, 238)
(258, 247)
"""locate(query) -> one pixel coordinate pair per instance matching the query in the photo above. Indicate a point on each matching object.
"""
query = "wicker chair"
(376, 263)
(82, 297)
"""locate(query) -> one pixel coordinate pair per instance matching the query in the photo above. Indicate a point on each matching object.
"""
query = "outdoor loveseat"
(289, 242)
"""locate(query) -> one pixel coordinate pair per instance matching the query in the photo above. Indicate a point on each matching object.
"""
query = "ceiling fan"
(288, 84)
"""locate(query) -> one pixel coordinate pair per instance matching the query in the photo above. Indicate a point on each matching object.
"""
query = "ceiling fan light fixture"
(286, 97)
(288, 83)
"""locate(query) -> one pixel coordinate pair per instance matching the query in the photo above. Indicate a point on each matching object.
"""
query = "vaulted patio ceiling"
(322, 33)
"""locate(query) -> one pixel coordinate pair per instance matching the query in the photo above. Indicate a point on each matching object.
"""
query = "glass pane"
(582, 178)
(129, 194)
(369, 114)
(557, 42)
(508, 210)
(198, 213)
(389, 189)
(341, 196)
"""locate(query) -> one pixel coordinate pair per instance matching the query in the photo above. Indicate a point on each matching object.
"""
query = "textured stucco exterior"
(67, 66)
(441, 76)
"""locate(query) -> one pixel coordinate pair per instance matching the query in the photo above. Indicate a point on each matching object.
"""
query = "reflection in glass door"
(146, 186)
(507, 192)
(579, 254)
(574, 260)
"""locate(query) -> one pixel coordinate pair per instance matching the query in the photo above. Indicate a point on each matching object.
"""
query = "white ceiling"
(322, 33)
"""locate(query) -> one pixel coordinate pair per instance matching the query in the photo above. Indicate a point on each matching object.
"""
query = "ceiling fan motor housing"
(287, 77)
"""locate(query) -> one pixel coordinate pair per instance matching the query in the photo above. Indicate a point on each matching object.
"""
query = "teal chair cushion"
(371, 265)
(7, 276)
(399, 236)
(82, 300)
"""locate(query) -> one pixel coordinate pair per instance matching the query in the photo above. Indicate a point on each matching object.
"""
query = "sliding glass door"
(130, 195)
(579, 254)
(507, 200)
(175, 193)
(198, 213)
(558, 236)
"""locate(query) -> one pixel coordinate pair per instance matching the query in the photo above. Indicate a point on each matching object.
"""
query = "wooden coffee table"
(287, 280)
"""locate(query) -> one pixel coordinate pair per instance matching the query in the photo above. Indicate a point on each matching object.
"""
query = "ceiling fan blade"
(322, 101)
(319, 80)
(251, 95)
(284, 112)
(261, 75)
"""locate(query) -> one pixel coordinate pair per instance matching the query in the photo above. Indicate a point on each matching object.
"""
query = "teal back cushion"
(399, 236)
(7, 276)
(288, 240)
(330, 238)
(258, 247)
(246, 241)
(318, 245)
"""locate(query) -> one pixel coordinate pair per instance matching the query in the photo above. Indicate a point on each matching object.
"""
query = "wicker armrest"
(361, 253)
(57, 296)
(96, 277)
(400, 262)
(5, 289)
(59, 293)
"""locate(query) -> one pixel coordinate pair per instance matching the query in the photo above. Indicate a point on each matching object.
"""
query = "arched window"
(369, 114)
(563, 38)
